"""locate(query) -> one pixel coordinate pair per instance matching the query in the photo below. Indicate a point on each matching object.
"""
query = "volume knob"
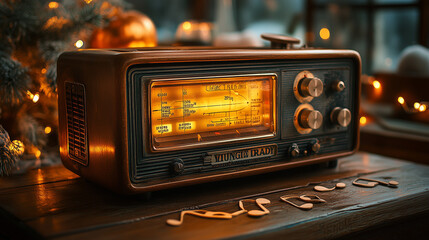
(310, 87)
(341, 116)
(310, 119)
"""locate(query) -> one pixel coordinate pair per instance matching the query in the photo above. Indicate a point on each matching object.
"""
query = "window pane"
(394, 31)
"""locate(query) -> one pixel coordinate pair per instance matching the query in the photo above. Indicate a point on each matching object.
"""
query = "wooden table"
(55, 203)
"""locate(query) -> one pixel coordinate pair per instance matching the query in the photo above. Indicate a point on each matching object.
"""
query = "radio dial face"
(307, 119)
(306, 87)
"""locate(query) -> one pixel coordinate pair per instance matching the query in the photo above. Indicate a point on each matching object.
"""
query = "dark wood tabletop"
(57, 204)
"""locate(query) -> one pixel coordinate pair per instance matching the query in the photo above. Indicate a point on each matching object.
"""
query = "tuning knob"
(310, 119)
(310, 87)
(341, 116)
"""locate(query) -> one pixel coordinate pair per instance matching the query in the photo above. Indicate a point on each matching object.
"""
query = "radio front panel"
(190, 119)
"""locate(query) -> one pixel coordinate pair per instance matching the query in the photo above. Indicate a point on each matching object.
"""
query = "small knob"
(177, 166)
(280, 41)
(294, 150)
(310, 87)
(338, 86)
(310, 119)
(315, 146)
(341, 116)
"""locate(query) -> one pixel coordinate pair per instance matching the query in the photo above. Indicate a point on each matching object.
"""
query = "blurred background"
(392, 37)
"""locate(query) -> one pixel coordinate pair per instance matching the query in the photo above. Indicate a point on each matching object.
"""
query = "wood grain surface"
(54, 203)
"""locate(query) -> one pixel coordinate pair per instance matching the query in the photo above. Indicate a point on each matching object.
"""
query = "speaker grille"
(76, 122)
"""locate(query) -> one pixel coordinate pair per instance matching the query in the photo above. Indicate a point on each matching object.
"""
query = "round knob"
(311, 87)
(315, 146)
(294, 150)
(310, 119)
(339, 86)
(177, 166)
(341, 116)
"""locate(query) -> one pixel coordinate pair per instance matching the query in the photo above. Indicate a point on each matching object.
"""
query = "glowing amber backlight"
(207, 111)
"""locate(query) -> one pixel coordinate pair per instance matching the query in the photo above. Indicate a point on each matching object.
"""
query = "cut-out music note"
(325, 189)
(258, 213)
(224, 215)
(199, 213)
(305, 206)
(370, 183)
(311, 199)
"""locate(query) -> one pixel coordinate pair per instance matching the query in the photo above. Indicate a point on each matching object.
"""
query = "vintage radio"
(137, 120)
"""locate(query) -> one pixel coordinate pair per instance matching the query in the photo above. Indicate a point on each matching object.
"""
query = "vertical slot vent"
(76, 122)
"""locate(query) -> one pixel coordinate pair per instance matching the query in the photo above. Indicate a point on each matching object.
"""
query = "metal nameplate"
(241, 154)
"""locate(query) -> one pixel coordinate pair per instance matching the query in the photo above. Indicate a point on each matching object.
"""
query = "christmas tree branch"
(8, 153)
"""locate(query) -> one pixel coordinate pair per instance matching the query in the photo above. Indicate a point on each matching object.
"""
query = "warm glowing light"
(37, 153)
(55, 23)
(136, 44)
(88, 1)
(416, 105)
(44, 70)
(324, 33)
(422, 108)
(79, 43)
(362, 120)
(101, 149)
(36, 97)
(48, 130)
(17, 146)
(187, 25)
(401, 100)
(53, 5)
(376, 84)
(188, 112)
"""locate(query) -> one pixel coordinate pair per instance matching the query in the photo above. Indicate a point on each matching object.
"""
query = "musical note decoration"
(370, 183)
(308, 199)
(325, 189)
(224, 215)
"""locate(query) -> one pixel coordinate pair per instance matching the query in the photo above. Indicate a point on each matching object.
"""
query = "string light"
(38, 153)
(48, 130)
(376, 84)
(362, 120)
(88, 1)
(416, 105)
(324, 33)
(36, 97)
(33, 97)
(53, 5)
(43, 70)
(79, 43)
(187, 25)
